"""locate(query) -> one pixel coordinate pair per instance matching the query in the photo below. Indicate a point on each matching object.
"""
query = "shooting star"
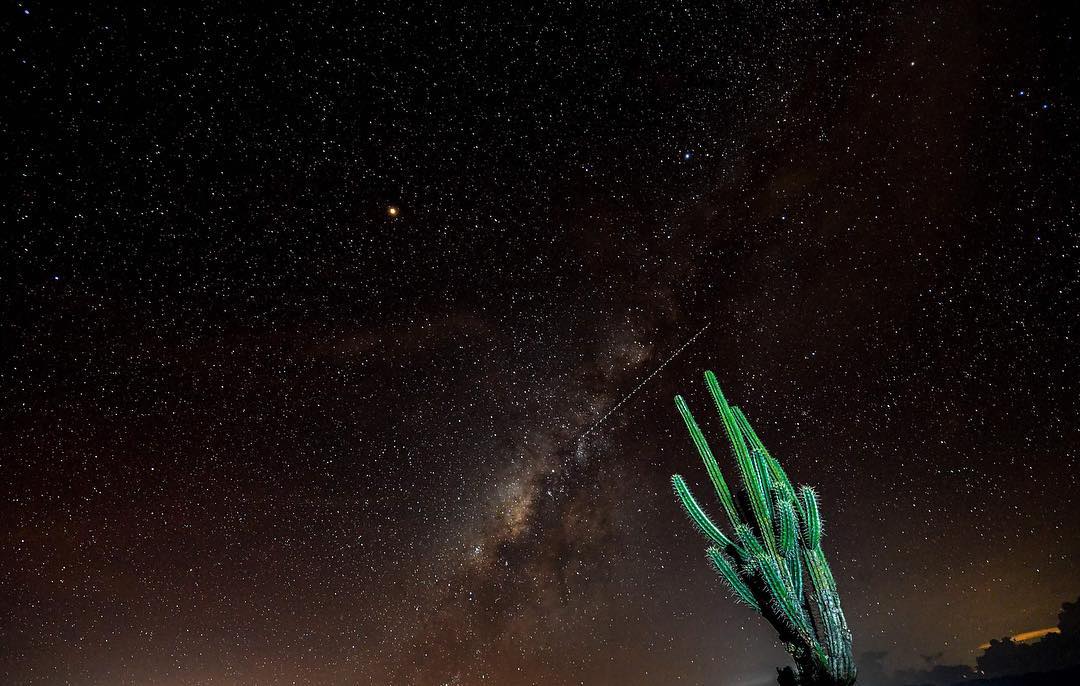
(635, 389)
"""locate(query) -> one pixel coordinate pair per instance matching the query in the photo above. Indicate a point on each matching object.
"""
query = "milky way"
(339, 345)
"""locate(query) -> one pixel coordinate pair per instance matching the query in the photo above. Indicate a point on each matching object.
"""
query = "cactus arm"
(731, 428)
(755, 489)
(779, 476)
(789, 533)
(711, 466)
(726, 568)
(811, 516)
(783, 484)
(764, 478)
(783, 575)
(749, 542)
(789, 543)
(748, 430)
(795, 572)
(786, 605)
(698, 516)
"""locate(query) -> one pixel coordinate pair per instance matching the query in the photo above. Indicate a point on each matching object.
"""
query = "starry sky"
(258, 428)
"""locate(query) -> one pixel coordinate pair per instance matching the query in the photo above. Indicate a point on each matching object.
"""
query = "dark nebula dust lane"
(257, 428)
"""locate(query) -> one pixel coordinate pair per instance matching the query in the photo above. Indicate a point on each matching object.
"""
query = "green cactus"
(775, 536)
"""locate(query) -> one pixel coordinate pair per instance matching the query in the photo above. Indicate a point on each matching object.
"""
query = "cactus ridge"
(772, 561)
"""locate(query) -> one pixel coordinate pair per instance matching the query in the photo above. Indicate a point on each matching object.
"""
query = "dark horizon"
(257, 427)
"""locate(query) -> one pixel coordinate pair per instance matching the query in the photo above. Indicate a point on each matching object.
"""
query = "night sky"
(258, 428)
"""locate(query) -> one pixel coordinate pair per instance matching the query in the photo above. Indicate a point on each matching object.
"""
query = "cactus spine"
(772, 561)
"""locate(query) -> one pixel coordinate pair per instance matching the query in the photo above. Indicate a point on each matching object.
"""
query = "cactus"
(772, 559)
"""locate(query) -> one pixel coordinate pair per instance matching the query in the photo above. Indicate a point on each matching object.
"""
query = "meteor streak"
(637, 388)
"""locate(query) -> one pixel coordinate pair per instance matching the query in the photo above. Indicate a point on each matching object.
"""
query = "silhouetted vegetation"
(1052, 660)
(1053, 651)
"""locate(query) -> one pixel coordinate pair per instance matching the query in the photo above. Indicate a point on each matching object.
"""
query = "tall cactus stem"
(754, 488)
(717, 478)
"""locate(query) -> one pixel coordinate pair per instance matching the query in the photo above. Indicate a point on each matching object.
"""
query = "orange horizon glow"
(1028, 636)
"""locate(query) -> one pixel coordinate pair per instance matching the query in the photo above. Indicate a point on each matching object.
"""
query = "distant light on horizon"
(1028, 636)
